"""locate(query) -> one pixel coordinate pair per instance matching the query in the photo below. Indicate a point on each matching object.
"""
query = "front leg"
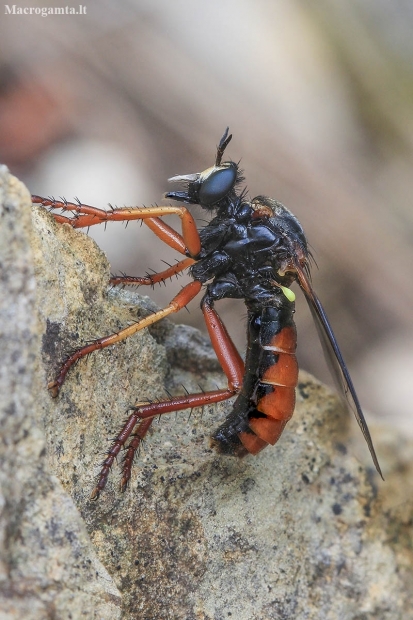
(85, 216)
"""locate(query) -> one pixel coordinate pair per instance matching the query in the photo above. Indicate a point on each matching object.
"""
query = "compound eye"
(218, 184)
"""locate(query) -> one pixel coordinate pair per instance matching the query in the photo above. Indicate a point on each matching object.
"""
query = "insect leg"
(167, 234)
(95, 215)
(143, 414)
(178, 302)
(190, 236)
(226, 352)
(115, 449)
(233, 367)
(86, 216)
(153, 278)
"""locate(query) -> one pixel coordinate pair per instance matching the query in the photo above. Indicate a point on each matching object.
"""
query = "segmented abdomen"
(267, 398)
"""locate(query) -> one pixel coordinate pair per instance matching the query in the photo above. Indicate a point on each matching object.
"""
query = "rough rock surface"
(297, 532)
(48, 566)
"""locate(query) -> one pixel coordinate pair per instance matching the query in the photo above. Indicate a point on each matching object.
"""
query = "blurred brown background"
(106, 106)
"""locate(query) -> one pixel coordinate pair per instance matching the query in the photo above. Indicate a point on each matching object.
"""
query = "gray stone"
(295, 532)
(48, 566)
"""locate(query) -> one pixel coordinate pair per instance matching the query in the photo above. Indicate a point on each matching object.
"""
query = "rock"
(295, 532)
(48, 566)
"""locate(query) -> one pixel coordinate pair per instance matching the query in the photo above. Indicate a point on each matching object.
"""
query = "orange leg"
(85, 216)
(231, 362)
(167, 234)
(178, 302)
(152, 279)
(144, 413)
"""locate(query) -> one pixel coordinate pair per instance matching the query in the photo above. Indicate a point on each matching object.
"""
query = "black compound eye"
(218, 184)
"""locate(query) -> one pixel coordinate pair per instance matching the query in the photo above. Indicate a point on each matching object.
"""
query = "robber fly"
(252, 250)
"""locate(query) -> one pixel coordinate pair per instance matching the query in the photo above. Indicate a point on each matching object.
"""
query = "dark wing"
(334, 357)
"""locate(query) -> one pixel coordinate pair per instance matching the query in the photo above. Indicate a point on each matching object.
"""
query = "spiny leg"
(162, 230)
(141, 413)
(95, 215)
(233, 366)
(117, 445)
(165, 232)
(137, 437)
(152, 279)
(86, 216)
(178, 302)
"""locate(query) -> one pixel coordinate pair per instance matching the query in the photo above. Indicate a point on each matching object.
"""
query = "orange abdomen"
(267, 399)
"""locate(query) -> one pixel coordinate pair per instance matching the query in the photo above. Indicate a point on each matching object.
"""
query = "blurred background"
(319, 97)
